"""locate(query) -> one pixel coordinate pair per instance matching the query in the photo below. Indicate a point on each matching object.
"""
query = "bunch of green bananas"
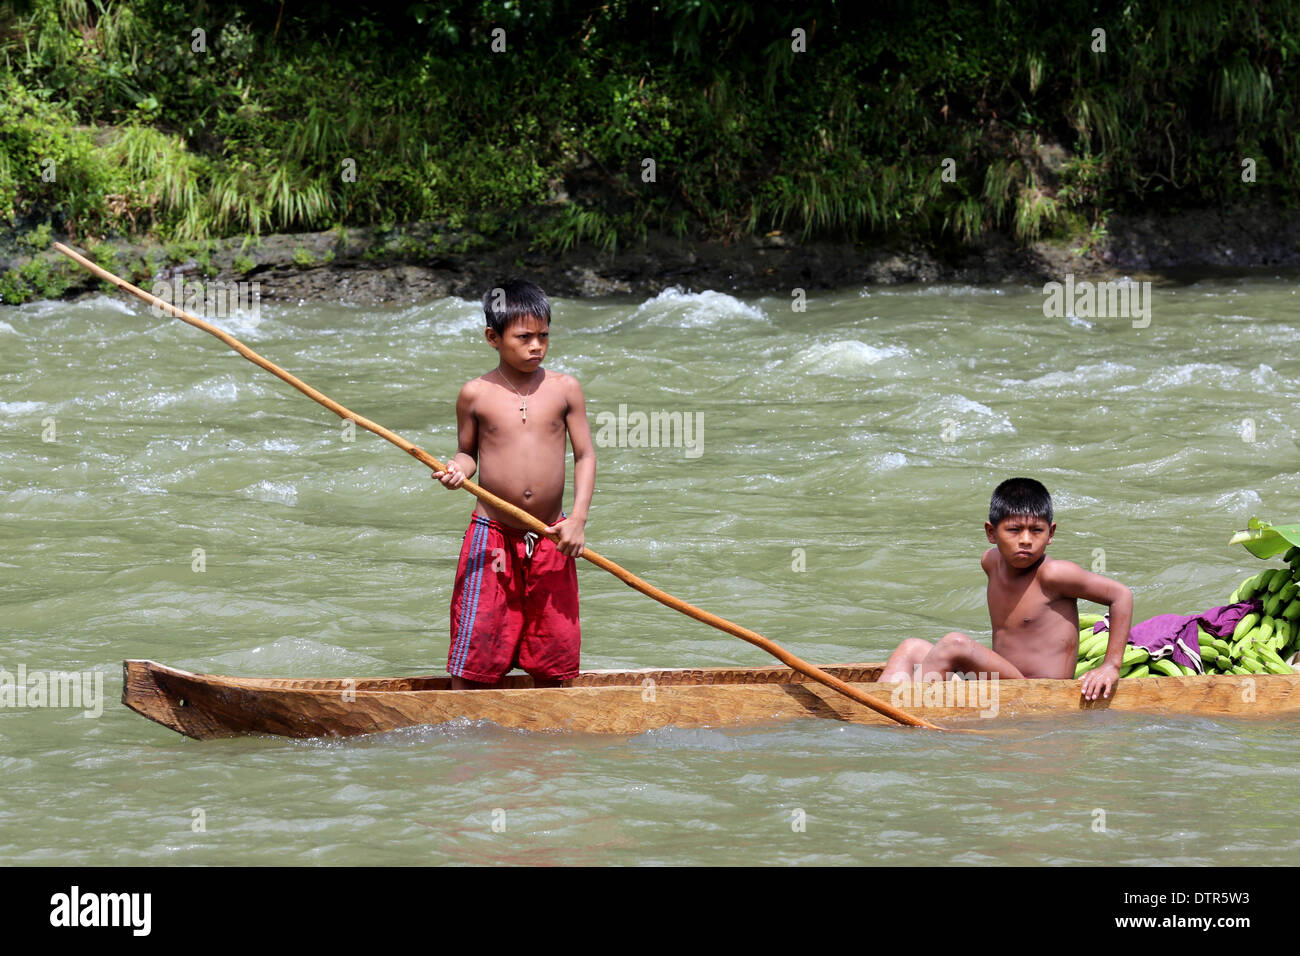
(1261, 641)
(1259, 644)
(1137, 661)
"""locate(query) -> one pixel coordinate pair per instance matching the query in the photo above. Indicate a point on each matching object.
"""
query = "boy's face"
(1020, 539)
(523, 344)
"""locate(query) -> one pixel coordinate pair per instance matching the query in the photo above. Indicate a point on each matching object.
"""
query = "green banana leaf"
(1264, 540)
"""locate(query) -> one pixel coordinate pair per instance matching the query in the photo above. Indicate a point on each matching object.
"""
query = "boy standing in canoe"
(1032, 605)
(516, 596)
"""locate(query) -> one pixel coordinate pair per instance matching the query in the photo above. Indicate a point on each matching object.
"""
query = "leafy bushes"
(256, 118)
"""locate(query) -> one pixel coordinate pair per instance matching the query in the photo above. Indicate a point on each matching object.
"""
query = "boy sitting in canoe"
(1032, 605)
(515, 601)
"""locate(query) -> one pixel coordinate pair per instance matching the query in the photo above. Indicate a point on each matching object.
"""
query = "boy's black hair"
(514, 300)
(1020, 496)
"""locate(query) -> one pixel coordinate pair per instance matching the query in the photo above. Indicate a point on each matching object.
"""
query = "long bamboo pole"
(419, 454)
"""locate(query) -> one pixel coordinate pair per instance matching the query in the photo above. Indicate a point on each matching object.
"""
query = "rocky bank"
(409, 264)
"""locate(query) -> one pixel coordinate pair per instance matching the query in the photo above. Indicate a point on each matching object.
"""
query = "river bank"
(745, 148)
(425, 261)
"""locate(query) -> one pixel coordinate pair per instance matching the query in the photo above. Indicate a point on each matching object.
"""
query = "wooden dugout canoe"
(204, 706)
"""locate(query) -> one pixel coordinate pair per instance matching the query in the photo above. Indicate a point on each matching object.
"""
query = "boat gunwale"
(676, 678)
(858, 673)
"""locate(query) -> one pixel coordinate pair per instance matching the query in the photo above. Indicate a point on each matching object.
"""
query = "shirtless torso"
(520, 461)
(1034, 626)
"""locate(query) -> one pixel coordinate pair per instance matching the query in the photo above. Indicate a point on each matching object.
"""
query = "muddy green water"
(861, 438)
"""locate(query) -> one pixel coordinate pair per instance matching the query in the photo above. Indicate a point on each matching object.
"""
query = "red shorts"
(512, 609)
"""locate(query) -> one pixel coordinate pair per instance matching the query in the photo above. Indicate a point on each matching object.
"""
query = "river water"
(164, 499)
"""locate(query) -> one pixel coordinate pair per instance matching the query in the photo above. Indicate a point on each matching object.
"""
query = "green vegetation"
(38, 240)
(121, 118)
(35, 279)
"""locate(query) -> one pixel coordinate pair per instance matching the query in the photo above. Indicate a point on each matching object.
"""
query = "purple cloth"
(1174, 635)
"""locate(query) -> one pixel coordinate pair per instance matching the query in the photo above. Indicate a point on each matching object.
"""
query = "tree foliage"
(747, 132)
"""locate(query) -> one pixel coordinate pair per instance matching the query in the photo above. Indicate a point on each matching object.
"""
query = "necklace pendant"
(524, 409)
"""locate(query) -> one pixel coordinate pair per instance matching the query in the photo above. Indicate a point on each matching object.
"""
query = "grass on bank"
(336, 115)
